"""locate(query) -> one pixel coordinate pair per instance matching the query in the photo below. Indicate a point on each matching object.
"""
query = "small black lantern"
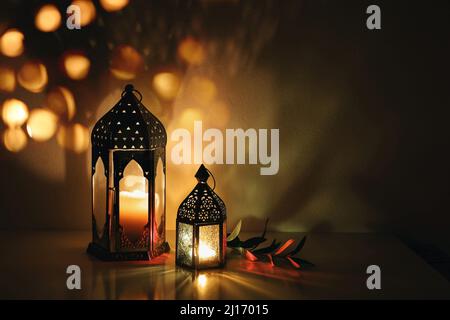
(201, 227)
(128, 182)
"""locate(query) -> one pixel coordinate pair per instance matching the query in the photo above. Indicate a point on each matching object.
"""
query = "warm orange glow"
(205, 252)
(48, 18)
(202, 280)
(191, 51)
(73, 137)
(76, 66)
(188, 117)
(14, 139)
(42, 124)
(61, 101)
(201, 89)
(33, 76)
(126, 62)
(166, 85)
(113, 5)
(87, 9)
(11, 43)
(7, 79)
(14, 112)
(219, 114)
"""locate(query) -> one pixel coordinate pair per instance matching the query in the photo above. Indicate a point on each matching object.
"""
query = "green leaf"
(303, 262)
(253, 242)
(273, 246)
(265, 228)
(235, 232)
(299, 247)
(235, 243)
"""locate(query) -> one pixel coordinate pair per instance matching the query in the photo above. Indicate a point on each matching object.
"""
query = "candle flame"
(206, 252)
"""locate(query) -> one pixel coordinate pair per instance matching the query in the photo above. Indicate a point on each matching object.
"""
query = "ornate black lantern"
(201, 227)
(128, 182)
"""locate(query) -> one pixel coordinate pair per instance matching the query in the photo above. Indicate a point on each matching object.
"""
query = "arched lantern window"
(128, 182)
(201, 227)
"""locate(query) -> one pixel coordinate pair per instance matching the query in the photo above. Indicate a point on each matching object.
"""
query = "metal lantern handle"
(214, 179)
(130, 88)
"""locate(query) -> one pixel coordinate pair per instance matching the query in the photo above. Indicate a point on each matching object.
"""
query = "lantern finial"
(202, 174)
(129, 88)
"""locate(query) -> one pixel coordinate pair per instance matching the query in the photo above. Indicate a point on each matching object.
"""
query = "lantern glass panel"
(185, 242)
(209, 245)
(160, 202)
(133, 202)
(99, 196)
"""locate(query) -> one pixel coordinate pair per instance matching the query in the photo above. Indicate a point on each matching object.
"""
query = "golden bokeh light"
(87, 9)
(219, 114)
(201, 89)
(126, 62)
(14, 139)
(33, 76)
(166, 85)
(14, 112)
(73, 137)
(48, 18)
(191, 51)
(7, 79)
(188, 116)
(113, 5)
(61, 101)
(42, 124)
(11, 43)
(76, 65)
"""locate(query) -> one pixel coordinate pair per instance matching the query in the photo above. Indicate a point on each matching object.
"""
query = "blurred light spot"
(33, 76)
(73, 137)
(11, 43)
(113, 5)
(188, 117)
(14, 139)
(42, 124)
(61, 102)
(166, 85)
(7, 79)
(87, 9)
(202, 280)
(219, 114)
(201, 89)
(48, 18)
(191, 51)
(76, 66)
(126, 62)
(14, 112)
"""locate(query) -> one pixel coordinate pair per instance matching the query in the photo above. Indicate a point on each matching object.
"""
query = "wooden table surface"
(33, 266)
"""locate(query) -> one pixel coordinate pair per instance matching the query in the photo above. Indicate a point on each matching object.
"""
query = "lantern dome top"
(129, 125)
(202, 205)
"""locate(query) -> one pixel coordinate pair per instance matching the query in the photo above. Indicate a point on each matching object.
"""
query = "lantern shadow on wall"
(128, 182)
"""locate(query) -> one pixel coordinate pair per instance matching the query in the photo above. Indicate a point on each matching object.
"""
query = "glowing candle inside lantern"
(205, 252)
(134, 207)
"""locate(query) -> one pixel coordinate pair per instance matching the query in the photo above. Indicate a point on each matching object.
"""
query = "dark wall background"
(363, 118)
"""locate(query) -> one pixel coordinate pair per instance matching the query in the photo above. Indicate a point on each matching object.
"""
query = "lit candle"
(134, 208)
(206, 253)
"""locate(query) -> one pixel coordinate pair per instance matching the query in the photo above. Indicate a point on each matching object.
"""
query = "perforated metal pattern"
(202, 205)
(128, 125)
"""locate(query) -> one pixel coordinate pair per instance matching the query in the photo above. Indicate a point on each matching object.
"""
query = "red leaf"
(250, 256)
(295, 264)
(270, 259)
(284, 246)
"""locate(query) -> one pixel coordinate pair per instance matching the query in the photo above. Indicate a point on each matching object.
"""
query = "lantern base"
(105, 255)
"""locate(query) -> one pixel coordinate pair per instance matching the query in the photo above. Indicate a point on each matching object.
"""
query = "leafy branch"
(275, 253)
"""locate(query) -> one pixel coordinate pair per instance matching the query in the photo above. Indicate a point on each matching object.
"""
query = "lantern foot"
(105, 255)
